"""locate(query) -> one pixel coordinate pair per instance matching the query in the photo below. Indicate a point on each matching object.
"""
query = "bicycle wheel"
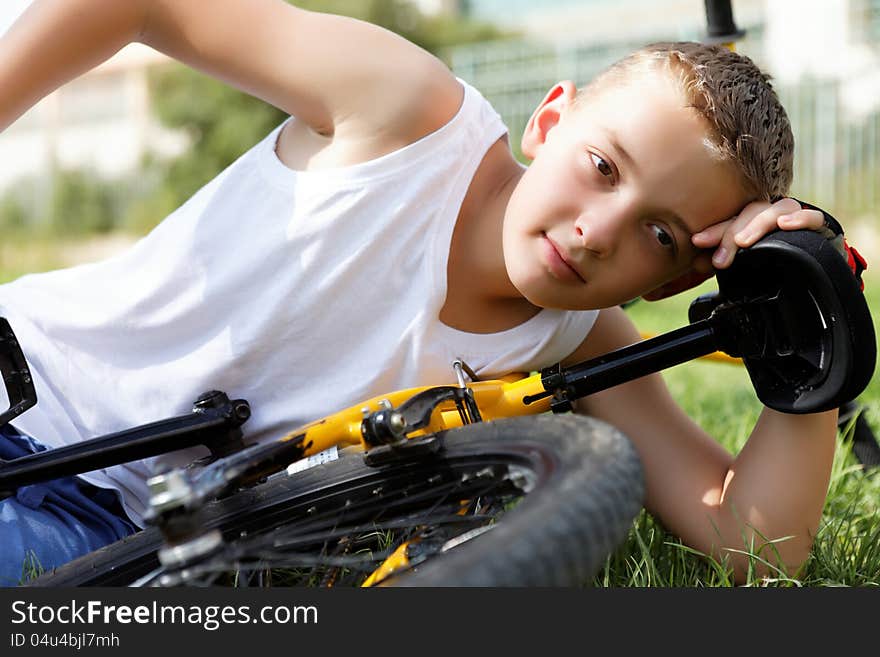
(529, 501)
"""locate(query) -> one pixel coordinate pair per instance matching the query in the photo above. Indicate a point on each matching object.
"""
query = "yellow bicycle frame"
(496, 399)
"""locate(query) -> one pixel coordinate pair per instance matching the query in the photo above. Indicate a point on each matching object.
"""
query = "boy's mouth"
(558, 262)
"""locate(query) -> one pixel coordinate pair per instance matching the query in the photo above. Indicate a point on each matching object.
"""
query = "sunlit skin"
(617, 187)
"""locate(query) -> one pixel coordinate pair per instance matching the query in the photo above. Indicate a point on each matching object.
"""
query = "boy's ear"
(546, 116)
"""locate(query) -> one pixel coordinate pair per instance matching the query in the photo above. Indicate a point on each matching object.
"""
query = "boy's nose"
(598, 232)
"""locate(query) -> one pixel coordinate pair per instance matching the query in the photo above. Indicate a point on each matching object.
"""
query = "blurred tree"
(82, 202)
(74, 202)
(13, 213)
(223, 123)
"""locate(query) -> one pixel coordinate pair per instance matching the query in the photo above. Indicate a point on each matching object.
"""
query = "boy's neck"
(480, 297)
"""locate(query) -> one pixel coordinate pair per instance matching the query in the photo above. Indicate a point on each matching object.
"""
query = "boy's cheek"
(681, 278)
(701, 262)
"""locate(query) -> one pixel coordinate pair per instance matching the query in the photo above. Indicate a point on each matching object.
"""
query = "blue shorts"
(48, 524)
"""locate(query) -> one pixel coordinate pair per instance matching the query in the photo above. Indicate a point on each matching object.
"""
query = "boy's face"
(616, 188)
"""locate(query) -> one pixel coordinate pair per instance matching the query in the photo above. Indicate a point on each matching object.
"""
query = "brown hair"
(747, 124)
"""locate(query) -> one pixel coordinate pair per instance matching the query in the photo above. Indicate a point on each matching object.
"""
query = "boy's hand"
(753, 222)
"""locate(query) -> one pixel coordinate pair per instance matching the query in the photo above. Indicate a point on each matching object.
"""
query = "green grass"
(720, 398)
(27, 253)
(31, 568)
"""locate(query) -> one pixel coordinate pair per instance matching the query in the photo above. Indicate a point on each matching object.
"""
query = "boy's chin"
(541, 293)
(558, 302)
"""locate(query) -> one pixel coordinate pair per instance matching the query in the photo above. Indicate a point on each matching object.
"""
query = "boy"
(392, 196)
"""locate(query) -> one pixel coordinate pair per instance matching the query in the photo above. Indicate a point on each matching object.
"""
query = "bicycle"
(477, 483)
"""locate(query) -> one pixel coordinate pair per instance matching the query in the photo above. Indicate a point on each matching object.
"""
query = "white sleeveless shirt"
(302, 292)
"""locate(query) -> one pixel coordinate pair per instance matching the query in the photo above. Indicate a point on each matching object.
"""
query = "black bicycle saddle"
(808, 342)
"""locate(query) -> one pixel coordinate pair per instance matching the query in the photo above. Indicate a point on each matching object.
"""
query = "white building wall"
(819, 39)
(100, 121)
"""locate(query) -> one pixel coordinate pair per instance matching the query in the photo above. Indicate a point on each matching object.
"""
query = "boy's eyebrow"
(621, 151)
(672, 217)
(678, 221)
(689, 247)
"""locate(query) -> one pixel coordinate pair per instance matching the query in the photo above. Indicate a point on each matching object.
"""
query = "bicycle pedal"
(413, 448)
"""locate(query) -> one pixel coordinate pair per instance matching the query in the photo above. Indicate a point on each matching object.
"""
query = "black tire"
(584, 487)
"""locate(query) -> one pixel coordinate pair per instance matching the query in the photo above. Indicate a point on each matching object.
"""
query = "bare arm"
(774, 488)
(54, 41)
(337, 74)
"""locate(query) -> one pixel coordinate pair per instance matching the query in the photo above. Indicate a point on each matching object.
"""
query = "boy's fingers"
(762, 224)
(720, 236)
(723, 255)
(776, 217)
(714, 234)
(754, 222)
(802, 219)
(710, 236)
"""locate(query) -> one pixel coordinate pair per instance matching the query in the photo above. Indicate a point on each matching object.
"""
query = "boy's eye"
(664, 238)
(602, 165)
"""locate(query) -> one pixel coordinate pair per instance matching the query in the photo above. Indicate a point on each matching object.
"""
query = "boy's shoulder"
(402, 107)
(426, 103)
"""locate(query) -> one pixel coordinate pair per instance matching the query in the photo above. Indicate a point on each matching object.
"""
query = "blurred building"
(101, 121)
(828, 40)
(598, 20)
(819, 38)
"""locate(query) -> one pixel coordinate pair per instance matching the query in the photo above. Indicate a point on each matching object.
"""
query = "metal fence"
(837, 158)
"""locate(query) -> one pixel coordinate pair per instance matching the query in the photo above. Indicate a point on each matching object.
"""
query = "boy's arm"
(341, 76)
(52, 42)
(774, 488)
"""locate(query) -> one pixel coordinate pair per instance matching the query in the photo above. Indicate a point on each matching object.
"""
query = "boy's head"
(666, 142)
(746, 123)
